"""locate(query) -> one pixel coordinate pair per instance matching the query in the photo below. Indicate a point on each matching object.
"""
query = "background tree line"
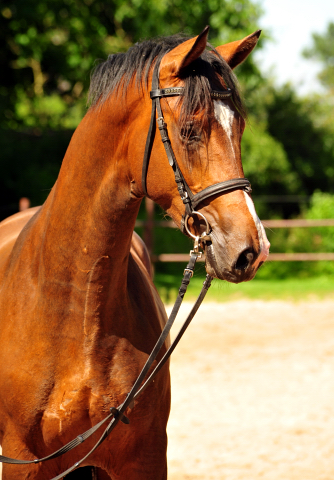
(49, 47)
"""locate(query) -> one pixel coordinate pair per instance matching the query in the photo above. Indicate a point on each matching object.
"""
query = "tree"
(322, 50)
(48, 49)
(266, 164)
(311, 157)
(50, 46)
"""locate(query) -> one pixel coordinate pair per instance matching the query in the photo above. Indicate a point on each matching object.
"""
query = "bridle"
(191, 202)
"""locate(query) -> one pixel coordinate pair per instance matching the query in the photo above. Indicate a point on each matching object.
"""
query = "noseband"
(190, 200)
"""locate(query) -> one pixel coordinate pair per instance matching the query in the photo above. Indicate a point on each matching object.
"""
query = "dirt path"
(253, 393)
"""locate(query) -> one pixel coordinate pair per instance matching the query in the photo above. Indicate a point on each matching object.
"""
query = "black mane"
(200, 78)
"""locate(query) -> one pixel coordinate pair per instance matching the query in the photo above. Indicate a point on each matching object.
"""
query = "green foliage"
(266, 163)
(50, 47)
(304, 240)
(289, 149)
(264, 158)
(310, 156)
(291, 289)
(322, 206)
(322, 50)
(321, 238)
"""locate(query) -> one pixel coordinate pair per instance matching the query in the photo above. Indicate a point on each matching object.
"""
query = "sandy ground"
(253, 393)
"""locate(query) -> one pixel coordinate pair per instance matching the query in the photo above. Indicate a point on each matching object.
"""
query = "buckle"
(188, 270)
(161, 123)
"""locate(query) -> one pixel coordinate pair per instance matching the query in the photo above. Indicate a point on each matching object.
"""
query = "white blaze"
(264, 243)
(225, 116)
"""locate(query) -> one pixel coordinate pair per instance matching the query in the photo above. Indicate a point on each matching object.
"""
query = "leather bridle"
(191, 202)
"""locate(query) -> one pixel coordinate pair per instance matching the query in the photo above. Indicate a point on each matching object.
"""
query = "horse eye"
(189, 133)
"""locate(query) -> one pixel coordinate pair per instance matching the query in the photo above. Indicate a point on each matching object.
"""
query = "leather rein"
(191, 201)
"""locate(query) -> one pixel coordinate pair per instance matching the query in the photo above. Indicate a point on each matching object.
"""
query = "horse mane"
(203, 75)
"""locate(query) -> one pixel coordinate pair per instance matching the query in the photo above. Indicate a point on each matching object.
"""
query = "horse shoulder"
(140, 253)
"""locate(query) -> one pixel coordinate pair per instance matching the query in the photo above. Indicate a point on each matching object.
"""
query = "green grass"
(293, 289)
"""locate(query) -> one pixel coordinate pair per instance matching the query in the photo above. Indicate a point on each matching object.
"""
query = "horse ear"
(236, 52)
(183, 55)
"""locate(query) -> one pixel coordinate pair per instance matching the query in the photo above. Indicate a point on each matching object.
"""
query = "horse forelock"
(204, 74)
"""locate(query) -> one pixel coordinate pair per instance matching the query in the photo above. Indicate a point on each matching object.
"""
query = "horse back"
(10, 228)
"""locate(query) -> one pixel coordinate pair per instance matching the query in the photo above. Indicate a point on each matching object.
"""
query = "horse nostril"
(245, 259)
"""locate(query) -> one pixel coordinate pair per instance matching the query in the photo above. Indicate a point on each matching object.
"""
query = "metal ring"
(186, 224)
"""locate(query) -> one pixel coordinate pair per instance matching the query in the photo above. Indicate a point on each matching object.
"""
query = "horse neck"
(89, 217)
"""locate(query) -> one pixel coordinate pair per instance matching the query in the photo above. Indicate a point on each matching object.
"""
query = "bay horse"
(79, 313)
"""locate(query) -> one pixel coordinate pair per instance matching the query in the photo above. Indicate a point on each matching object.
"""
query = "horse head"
(205, 124)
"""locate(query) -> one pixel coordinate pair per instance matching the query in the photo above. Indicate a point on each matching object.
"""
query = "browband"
(169, 92)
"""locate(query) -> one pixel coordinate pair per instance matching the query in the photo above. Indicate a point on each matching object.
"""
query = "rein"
(191, 201)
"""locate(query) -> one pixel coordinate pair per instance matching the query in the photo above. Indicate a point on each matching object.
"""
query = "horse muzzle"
(233, 265)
